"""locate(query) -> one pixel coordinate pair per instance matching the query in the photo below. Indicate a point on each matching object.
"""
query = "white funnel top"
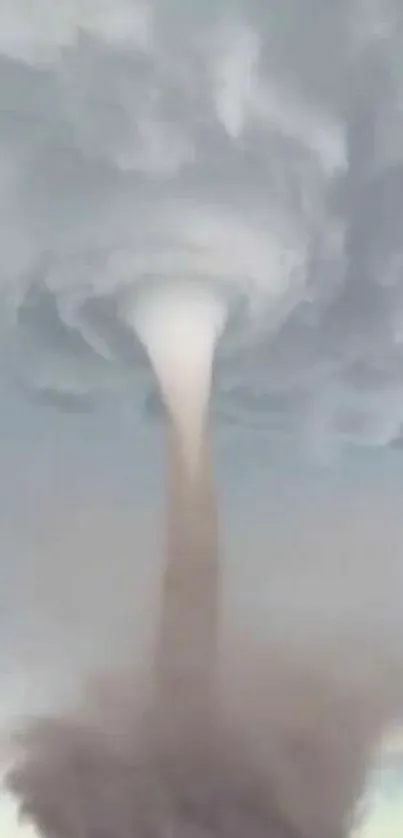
(179, 325)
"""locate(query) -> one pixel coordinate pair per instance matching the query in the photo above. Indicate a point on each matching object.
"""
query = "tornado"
(276, 749)
(179, 327)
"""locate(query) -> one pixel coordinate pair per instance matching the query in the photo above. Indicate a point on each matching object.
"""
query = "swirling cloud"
(254, 146)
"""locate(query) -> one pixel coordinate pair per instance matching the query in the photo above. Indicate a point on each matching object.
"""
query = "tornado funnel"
(179, 326)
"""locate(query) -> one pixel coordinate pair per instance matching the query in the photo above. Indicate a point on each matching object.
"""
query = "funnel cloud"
(179, 326)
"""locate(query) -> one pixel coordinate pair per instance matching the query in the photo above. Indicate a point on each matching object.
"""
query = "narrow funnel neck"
(179, 325)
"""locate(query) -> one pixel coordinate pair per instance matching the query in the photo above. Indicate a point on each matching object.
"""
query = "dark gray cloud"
(256, 146)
